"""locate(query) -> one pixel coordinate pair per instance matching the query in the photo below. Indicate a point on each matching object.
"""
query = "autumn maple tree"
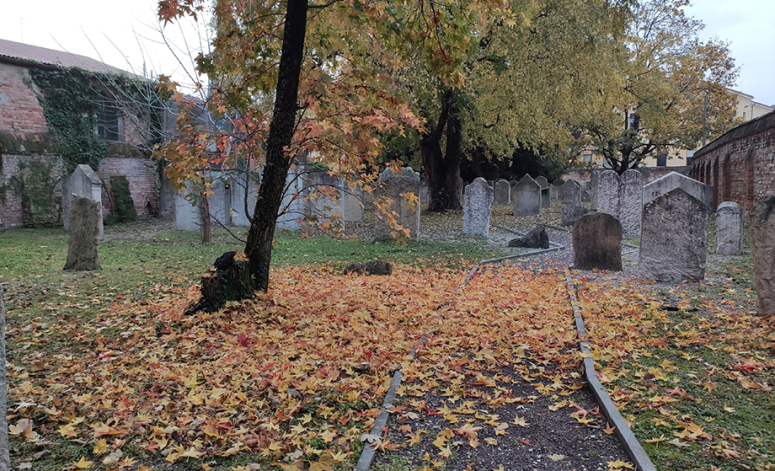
(671, 88)
(330, 99)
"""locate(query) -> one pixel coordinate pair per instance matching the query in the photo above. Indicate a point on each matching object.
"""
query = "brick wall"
(11, 213)
(740, 164)
(141, 175)
(20, 111)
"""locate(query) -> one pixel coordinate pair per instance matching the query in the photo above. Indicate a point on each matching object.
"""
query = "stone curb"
(501, 259)
(607, 406)
(367, 455)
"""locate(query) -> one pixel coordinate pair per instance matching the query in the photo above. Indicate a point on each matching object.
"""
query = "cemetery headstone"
(631, 202)
(537, 238)
(407, 215)
(84, 235)
(325, 199)
(502, 192)
(594, 181)
(477, 209)
(597, 242)
(545, 191)
(526, 197)
(662, 185)
(82, 182)
(729, 229)
(353, 204)
(674, 238)
(608, 193)
(761, 227)
(188, 216)
(571, 208)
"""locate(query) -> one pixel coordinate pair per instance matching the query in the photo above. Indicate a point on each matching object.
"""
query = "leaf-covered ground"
(106, 373)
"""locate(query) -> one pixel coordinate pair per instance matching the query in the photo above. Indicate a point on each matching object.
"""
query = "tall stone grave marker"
(631, 202)
(477, 209)
(608, 193)
(188, 216)
(82, 182)
(409, 217)
(526, 197)
(622, 198)
(84, 235)
(674, 238)
(502, 192)
(293, 205)
(571, 208)
(729, 229)
(761, 227)
(594, 182)
(662, 185)
(597, 242)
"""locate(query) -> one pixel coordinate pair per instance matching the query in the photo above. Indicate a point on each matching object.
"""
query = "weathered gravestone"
(608, 193)
(662, 185)
(84, 238)
(407, 215)
(674, 238)
(761, 227)
(546, 200)
(353, 203)
(729, 229)
(594, 181)
(526, 197)
(597, 242)
(188, 215)
(477, 209)
(325, 199)
(622, 198)
(570, 207)
(82, 182)
(631, 202)
(555, 189)
(502, 192)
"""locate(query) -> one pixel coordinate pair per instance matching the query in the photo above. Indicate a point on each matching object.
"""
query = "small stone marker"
(597, 242)
(535, 239)
(571, 208)
(761, 227)
(408, 181)
(674, 238)
(729, 229)
(502, 192)
(326, 197)
(84, 238)
(477, 209)
(526, 197)
(662, 185)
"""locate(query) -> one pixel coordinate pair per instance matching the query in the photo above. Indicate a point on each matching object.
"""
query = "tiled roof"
(10, 50)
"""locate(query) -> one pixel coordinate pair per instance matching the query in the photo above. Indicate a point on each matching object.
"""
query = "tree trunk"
(443, 172)
(207, 225)
(261, 234)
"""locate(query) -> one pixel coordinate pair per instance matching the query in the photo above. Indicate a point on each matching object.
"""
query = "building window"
(588, 157)
(110, 123)
(661, 159)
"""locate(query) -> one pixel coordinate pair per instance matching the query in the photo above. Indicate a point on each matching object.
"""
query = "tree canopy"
(667, 76)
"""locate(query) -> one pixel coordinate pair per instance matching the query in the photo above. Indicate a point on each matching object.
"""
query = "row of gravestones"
(674, 240)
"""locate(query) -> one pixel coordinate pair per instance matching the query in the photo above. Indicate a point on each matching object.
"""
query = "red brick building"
(27, 140)
(740, 164)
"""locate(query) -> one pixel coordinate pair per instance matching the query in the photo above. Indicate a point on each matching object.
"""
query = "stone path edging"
(607, 406)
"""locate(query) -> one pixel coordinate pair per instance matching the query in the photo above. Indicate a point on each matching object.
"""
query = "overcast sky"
(89, 26)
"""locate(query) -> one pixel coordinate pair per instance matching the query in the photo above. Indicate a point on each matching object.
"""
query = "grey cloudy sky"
(112, 29)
